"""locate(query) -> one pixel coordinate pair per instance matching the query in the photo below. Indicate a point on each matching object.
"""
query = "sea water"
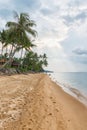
(74, 83)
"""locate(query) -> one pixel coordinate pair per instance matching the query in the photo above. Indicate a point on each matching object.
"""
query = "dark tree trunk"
(10, 59)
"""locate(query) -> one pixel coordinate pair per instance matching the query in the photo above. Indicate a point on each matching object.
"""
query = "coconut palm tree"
(20, 32)
(2, 39)
(5, 40)
(22, 29)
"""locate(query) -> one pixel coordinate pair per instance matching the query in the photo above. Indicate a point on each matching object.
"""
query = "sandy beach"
(35, 102)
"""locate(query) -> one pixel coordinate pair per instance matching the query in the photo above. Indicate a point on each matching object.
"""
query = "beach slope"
(34, 102)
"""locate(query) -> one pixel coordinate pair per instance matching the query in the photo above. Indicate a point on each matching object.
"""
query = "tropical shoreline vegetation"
(19, 36)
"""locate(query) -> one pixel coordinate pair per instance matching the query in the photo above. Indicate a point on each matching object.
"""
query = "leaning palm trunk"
(2, 50)
(6, 49)
(11, 51)
(10, 58)
(21, 53)
(25, 53)
(20, 65)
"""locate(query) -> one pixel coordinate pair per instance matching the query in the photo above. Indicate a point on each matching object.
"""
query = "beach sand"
(35, 102)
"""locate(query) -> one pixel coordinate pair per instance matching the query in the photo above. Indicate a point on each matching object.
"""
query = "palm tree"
(20, 32)
(5, 40)
(22, 29)
(2, 39)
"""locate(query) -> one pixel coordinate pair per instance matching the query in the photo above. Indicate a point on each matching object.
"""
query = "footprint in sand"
(51, 97)
(29, 129)
(50, 114)
(57, 110)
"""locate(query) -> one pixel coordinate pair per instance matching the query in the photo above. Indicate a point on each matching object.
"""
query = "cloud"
(82, 15)
(32, 5)
(80, 51)
(2, 2)
(7, 4)
(74, 15)
(51, 29)
(2, 23)
(47, 11)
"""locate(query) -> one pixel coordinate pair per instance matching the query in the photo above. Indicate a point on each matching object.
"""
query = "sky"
(61, 27)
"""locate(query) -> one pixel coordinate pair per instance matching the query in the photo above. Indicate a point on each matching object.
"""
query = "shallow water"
(74, 83)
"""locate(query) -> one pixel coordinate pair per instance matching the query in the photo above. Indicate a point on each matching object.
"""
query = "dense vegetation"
(19, 36)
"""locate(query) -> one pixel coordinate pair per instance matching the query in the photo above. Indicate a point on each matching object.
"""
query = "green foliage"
(17, 36)
(34, 62)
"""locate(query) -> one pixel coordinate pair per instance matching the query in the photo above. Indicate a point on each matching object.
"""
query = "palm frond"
(30, 24)
(11, 24)
(31, 32)
(16, 16)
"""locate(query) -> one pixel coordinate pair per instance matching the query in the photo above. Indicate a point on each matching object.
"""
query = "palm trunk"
(24, 56)
(25, 53)
(20, 65)
(6, 49)
(21, 53)
(2, 49)
(10, 59)
(11, 51)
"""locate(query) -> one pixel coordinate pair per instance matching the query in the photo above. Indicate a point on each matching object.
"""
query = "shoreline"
(74, 92)
(35, 102)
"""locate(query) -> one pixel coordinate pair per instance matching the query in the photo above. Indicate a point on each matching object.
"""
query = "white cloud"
(4, 1)
(51, 29)
(2, 23)
(80, 51)
(6, 4)
(80, 28)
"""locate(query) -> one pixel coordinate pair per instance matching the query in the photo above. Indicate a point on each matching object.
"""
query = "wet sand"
(34, 102)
